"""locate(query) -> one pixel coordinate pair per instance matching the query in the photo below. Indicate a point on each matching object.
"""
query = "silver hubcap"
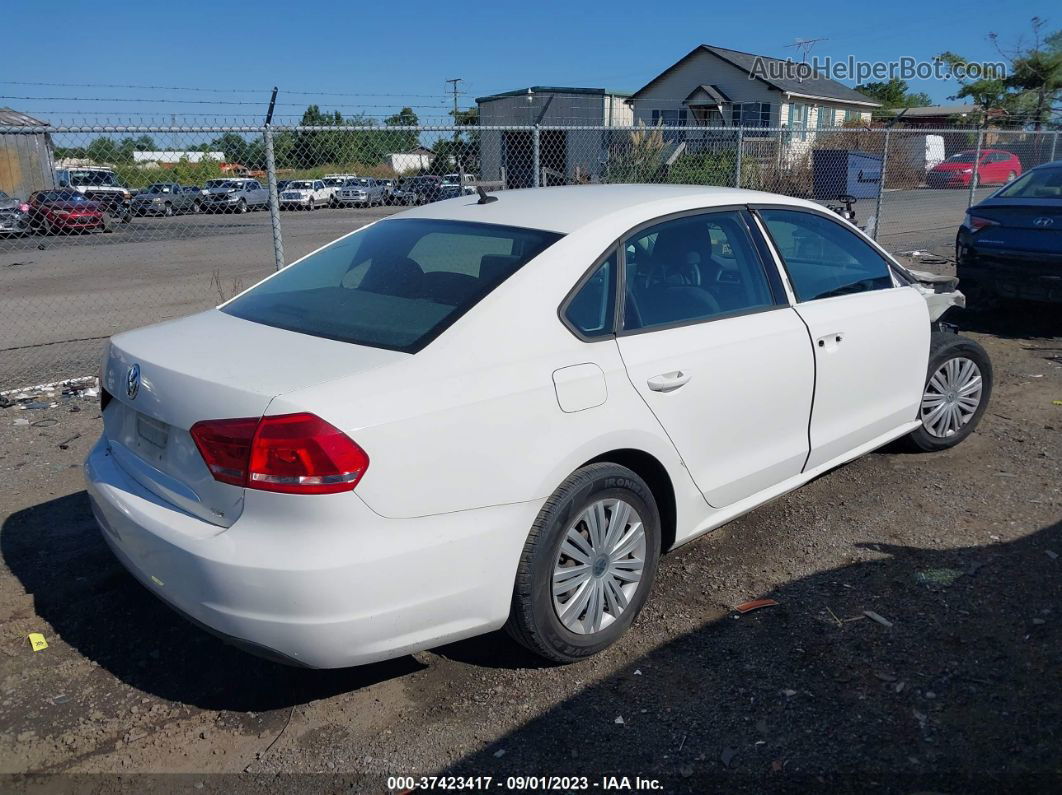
(599, 567)
(951, 397)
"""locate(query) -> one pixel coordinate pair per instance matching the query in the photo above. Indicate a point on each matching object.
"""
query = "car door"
(712, 345)
(870, 332)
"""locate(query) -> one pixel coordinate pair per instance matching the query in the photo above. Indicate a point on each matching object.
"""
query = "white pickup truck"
(308, 194)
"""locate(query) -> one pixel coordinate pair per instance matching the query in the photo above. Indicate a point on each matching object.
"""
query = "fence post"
(1054, 146)
(737, 159)
(536, 156)
(973, 175)
(274, 200)
(881, 184)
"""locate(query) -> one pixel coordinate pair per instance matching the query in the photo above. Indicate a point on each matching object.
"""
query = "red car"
(995, 167)
(64, 211)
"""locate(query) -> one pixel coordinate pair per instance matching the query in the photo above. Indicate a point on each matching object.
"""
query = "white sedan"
(498, 412)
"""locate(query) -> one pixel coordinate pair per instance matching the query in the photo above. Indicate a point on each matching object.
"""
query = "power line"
(295, 92)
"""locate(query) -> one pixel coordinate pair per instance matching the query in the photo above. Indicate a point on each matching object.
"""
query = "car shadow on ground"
(1011, 320)
(92, 604)
(958, 691)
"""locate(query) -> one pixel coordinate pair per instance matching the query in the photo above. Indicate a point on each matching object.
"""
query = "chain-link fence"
(104, 229)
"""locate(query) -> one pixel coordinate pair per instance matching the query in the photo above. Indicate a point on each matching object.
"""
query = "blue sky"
(380, 56)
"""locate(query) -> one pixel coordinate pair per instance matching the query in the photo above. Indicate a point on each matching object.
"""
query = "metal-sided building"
(574, 155)
(26, 162)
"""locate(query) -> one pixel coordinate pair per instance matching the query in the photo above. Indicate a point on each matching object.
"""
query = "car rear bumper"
(319, 581)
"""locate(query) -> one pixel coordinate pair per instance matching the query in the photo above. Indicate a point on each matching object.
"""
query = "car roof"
(566, 208)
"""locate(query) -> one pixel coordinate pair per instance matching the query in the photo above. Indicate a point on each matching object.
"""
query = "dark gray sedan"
(167, 198)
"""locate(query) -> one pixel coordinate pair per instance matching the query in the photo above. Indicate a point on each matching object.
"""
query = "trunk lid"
(1029, 225)
(164, 378)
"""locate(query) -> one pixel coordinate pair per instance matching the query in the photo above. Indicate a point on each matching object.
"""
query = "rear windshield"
(396, 284)
(1040, 183)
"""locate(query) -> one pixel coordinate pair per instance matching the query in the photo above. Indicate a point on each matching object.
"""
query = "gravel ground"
(957, 551)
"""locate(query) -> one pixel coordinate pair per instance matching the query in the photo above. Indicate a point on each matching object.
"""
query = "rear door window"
(396, 284)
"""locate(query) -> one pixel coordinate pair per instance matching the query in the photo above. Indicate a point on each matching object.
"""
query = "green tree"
(402, 140)
(894, 93)
(1036, 75)
(103, 150)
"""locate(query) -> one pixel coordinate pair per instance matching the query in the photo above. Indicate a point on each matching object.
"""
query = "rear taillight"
(290, 453)
(976, 223)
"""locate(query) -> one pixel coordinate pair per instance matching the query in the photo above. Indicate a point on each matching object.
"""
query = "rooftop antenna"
(806, 46)
(483, 197)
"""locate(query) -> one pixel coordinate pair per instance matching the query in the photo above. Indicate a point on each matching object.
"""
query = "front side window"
(395, 284)
(823, 258)
(691, 269)
(591, 310)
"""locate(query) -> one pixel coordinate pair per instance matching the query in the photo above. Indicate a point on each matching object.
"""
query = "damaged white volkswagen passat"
(500, 411)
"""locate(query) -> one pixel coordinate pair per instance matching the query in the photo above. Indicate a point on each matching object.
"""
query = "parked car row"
(93, 197)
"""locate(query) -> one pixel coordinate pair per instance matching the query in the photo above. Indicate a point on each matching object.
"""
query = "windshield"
(333, 182)
(355, 183)
(300, 185)
(396, 284)
(1040, 183)
(218, 183)
(104, 179)
(962, 157)
(157, 189)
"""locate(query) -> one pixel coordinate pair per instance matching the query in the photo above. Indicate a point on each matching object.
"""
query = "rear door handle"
(669, 382)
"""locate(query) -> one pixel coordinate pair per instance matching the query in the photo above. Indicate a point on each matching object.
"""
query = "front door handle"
(669, 382)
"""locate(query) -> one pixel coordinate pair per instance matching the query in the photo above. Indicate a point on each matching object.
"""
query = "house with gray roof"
(717, 87)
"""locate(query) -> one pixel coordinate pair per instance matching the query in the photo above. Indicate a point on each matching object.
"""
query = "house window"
(825, 119)
(751, 114)
(669, 118)
(853, 115)
(798, 121)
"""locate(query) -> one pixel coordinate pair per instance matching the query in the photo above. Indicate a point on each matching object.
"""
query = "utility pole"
(457, 160)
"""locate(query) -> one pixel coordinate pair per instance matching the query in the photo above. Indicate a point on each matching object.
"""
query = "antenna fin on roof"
(483, 197)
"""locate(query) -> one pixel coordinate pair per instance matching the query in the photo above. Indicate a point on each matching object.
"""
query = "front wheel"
(241, 208)
(958, 387)
(587, 565)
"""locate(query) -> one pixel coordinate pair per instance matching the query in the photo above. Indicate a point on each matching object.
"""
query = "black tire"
(241, 207)
(311, 206)
(944, 346)
(197, 207)
(533, 620)
(167, 210)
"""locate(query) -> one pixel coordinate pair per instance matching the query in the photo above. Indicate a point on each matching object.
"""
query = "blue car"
(1010, 245)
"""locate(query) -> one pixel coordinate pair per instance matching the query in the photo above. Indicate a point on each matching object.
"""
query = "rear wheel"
(958, 387)
(167, 209)
(587, 565)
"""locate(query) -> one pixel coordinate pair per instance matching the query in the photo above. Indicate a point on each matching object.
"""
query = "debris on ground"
(65, 445)
(1051, 554)
(941, 577)
(878, 618)
(37, 641)
(755, 604)
(48, 396)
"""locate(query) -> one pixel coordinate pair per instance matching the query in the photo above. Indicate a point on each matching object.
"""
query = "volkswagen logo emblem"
(1043, 220)
(132, 381)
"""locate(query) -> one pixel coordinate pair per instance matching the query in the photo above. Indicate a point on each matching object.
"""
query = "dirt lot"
(959, 551)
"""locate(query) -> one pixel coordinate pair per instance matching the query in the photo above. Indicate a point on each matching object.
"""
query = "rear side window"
(823, 258)
(1042, 183)
(693, 268)
(592, 309)
(396, 284)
